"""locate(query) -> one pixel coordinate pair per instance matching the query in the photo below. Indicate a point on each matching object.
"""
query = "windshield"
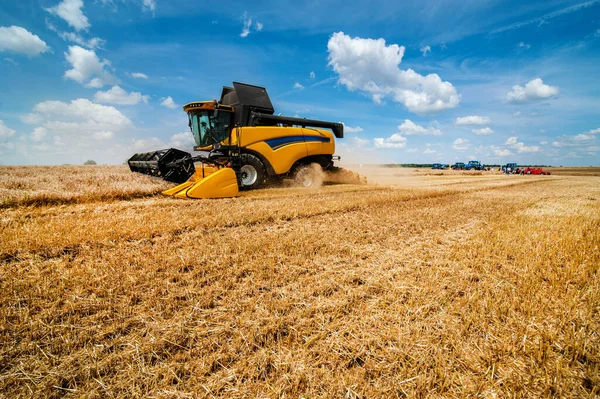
(207, 129)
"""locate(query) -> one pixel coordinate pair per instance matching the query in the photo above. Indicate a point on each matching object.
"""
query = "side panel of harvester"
(282, 147)
(319, 142)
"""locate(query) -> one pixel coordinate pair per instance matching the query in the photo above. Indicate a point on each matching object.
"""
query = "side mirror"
(216, 113)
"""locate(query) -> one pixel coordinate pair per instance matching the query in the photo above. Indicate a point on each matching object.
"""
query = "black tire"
(253, 172)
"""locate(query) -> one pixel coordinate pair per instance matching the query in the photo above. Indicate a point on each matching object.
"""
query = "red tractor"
(534, 171)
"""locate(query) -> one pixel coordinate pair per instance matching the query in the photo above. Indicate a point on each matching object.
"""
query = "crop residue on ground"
(414, 285)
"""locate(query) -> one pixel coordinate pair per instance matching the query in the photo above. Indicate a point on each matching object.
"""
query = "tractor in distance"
(439, 166)
(242, 145)
(476, 165)
(510, 168)
(458, 166)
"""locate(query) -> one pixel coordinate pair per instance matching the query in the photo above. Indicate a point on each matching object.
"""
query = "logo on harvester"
(280, 142)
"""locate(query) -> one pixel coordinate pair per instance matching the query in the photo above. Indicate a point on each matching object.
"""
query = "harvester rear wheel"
(253, 172)
(310, 175)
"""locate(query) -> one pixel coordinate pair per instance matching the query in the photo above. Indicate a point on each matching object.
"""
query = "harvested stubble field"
(414, 285)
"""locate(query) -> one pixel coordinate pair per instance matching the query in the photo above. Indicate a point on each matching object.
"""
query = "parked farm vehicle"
(510, 168)
(243, 145)
(458, 166)
(475, 165)
(534, 171)
(439, 166)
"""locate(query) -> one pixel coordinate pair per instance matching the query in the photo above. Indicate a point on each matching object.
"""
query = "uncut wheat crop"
(415, 284)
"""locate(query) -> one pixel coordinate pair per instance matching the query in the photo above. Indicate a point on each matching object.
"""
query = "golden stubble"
(429, 286)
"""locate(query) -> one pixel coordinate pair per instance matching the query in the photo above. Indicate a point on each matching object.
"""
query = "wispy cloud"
(524, 45)
(544, 18)
(247, 24)
(258, 26)
(295, 89)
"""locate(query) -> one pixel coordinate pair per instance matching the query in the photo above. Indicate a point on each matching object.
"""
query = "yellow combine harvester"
(242, 146)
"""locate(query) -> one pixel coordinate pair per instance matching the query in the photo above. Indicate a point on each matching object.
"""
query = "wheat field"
(413, 285)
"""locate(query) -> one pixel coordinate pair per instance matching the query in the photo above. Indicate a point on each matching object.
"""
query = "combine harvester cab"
(242, 145)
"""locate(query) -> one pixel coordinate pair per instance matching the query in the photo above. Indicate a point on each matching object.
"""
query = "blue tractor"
(510, 168)
(476, 165)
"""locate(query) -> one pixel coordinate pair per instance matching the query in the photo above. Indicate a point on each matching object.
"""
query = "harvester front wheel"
(253, 172)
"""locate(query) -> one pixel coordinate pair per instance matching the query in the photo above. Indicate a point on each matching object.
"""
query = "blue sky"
(428, 81)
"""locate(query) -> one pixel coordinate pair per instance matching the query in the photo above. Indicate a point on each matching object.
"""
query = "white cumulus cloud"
(502, 152)
(409, 128)
(39, 133)
(593, 131)
(372, 67)
(31, 119)
(103, 135)
(473, 120)
(297, 85)
(117, 95)
(577, 140)
(425, 50)
(461, 144)
(82, 110)
(147, 144)
(514, 143)
(350, 129)
(87, 68)
(5, 131)
(520, 147)
(70, 11)
(182, 140)
(394, 141)
(486, 131)
(534, 90)
(70, 130)
(168, 102)
(20, 40)
(139, 75)
(312, 75)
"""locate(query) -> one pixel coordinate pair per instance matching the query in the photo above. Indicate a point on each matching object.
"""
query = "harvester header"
(242, 145)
